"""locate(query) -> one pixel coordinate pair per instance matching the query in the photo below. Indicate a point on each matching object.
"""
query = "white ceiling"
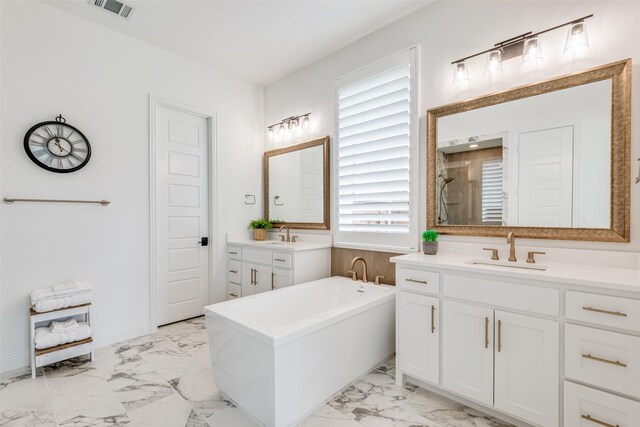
(260, 40)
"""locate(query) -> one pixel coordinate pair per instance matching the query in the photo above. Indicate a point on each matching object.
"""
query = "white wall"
(446, 31)
(100, 80)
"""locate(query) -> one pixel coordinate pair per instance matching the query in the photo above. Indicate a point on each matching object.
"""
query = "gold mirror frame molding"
(620, 75)
(325, 224)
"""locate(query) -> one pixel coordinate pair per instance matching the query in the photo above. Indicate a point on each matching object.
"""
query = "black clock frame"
(35, 160)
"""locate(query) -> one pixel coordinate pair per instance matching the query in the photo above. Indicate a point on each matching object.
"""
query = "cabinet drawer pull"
(600, 359)
(233, 295)
(599, 310)
(273, 281)
(433, 319)
(597, 421)
(233, 271)
(424, 282)
(233, 253)
(279, 259)
(499, 336)
(486, 332)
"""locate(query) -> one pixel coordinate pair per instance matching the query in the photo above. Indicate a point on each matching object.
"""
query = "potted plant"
(430, 242)
(260, 227)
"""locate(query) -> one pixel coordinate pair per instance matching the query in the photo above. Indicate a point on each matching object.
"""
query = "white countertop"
(279, 246)
(621, 279)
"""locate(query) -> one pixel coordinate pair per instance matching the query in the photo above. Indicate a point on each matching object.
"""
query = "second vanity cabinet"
(263, 266)
(527, 347)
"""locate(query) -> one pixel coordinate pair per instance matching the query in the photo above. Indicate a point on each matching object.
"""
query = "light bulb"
(494, 63)
(577, 38)
(532, 51)
(460, 73)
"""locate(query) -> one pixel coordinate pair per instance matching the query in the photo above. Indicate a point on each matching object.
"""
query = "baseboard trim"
(20, 360)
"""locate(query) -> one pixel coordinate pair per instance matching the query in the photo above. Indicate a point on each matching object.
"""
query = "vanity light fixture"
(290, 125)
(461, 73)
(473, 146)
(532, 51)
(576, 37)
(526, 45)
(494, 63)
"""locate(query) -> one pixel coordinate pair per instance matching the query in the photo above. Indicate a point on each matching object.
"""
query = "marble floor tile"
(165, 379)
(25, 401)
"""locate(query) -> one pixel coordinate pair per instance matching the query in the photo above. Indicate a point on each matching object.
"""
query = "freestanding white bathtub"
(280, 355)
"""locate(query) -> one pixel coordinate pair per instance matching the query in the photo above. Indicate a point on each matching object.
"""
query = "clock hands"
(57, 143)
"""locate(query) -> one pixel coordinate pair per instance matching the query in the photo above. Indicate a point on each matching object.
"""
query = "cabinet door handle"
(433, 319)
(233, 295)
(599, 310)
(233, 253)
(279, 259)
(499, 336)
(597, 421)
(233, 271)
(423, 282)
(486, 332)
(273, 281)
(253, 276)
(600, 359)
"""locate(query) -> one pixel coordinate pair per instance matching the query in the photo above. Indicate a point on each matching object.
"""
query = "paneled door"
(545, 178)
(419, 336)
(527, 367)
(467, 351)
(182, 217)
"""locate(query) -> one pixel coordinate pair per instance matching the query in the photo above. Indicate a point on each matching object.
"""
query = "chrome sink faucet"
(511, 239)
(354, 275)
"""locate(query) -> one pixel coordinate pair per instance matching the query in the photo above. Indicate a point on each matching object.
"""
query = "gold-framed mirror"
(296, 185)
(550, 160)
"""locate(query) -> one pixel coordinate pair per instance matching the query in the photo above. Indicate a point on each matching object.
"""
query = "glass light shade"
(306, 123)
(460, 73)
(494, 63)
(532, 51)
(576, 37)
(281, 129)
(270, 133)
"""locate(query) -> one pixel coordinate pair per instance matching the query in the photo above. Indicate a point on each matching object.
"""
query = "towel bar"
(9, 200)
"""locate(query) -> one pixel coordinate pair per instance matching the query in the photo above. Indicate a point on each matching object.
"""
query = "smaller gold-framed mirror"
(296, 185)
(550, 160)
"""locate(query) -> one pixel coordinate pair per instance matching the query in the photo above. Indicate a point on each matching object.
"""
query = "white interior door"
(467, 351)
(182, 220)
(311, 185)
(545, 178)
(527, 367)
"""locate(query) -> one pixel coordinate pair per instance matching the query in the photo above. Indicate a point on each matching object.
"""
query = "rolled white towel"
(62, 302)
(67, 288)
(66, 326)
(44, 338)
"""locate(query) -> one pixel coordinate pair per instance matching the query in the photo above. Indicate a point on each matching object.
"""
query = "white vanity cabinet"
(550, 348)
(255, 267)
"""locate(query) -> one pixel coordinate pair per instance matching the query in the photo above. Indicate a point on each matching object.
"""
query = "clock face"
(57, 146)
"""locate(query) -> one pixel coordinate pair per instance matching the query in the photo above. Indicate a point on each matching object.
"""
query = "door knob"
(204, 241)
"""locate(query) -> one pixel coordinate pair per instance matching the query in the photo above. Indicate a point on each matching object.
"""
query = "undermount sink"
(507, 264)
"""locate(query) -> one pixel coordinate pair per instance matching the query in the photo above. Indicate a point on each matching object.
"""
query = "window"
(375, 127)
(492, 191)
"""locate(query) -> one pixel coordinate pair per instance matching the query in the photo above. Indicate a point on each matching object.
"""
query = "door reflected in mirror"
(539, 161)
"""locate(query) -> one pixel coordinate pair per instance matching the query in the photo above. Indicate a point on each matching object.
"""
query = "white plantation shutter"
(492, 191)
(375, 132)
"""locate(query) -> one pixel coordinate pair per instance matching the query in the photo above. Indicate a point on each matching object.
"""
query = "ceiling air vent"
(114, 6)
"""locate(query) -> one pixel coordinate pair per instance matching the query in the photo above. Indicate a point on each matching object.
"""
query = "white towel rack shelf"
(10, 199)
(42, 357)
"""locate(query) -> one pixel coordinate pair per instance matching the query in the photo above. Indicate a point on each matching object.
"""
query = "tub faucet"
(511, 239)
(282, 235)
(354, 275)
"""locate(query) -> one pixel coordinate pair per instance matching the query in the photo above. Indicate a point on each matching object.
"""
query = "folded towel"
(44, 338)
(62, 302)
(70, 287)
(66, 326)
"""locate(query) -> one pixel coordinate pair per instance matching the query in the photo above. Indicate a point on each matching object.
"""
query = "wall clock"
(57, 146)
